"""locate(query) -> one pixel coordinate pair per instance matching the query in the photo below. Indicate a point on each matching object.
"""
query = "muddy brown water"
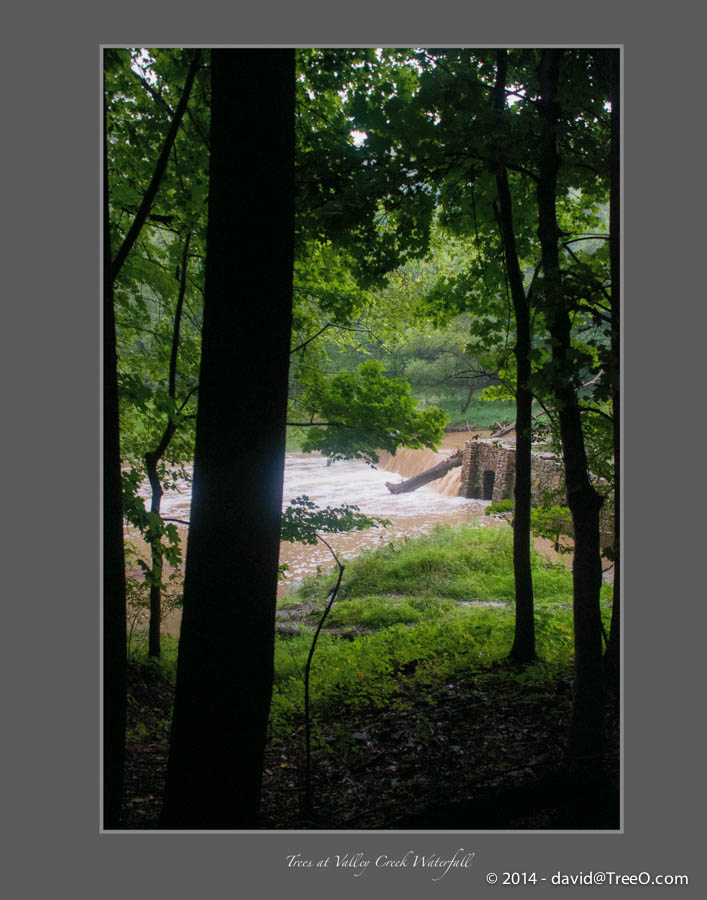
(355, 482)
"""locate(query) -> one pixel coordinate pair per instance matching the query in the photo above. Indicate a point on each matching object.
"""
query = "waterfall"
(408, 463)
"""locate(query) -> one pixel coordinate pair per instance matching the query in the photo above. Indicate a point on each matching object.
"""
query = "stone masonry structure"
(488, 473)
(489, 469)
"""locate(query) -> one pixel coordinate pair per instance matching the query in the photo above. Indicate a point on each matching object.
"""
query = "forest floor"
(479, 752)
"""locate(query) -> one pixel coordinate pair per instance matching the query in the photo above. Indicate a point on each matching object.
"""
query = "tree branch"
(307, 716)
(160, 101)
(599, 412)
(309, 340)
(188, 398)
(317, 424)
(592, 278)
(151, 192)
(587, 237)
(171, 390)
(156, 96)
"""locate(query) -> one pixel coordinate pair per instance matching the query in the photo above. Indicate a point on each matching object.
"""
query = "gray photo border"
(54, 448)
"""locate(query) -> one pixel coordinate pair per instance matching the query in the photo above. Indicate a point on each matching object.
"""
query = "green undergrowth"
(409, 617)
(480, 413)
(420, 611)
(164, 666)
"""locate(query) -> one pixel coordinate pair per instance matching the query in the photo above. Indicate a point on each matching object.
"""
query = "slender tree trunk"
(114, 610)
(612, 663)
(585, 738)
(225, 668)
(114, 268)
(523, 648)
(151, 192)
(156, 558)
(469, 398)
(152, 459)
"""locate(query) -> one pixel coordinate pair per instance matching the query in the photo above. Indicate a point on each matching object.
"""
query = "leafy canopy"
(367, 411)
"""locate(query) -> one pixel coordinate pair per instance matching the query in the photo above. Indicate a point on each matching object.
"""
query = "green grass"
(166, 664)
(416, 597)
(479, 413)
(484, 414)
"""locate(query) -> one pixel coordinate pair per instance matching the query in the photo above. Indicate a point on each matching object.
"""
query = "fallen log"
(412, 484)
(500, 430)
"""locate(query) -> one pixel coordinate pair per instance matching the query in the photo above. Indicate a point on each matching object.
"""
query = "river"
(353, 482)
(356, 482)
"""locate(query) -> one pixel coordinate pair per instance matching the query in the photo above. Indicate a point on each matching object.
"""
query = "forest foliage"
(399, 228)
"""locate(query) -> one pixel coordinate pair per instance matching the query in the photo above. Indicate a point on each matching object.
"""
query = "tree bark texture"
(114, 611)
(523, 648)
(225, 667)
(438, 471)
(585, 738)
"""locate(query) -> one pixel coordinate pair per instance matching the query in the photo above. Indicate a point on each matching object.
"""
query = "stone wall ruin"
(488, 473)
(489, 469)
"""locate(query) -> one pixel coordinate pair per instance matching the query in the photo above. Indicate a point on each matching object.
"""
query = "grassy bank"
(480, 414)
(413, 698)
(417, 613)
(408, 615)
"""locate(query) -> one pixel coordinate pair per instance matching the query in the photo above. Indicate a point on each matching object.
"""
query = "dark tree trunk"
(585, 738)
(114, 619)
(523, 648)
(225, 668)
(612, 662)
(441, 469)
(156, 559)
(114, 611)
